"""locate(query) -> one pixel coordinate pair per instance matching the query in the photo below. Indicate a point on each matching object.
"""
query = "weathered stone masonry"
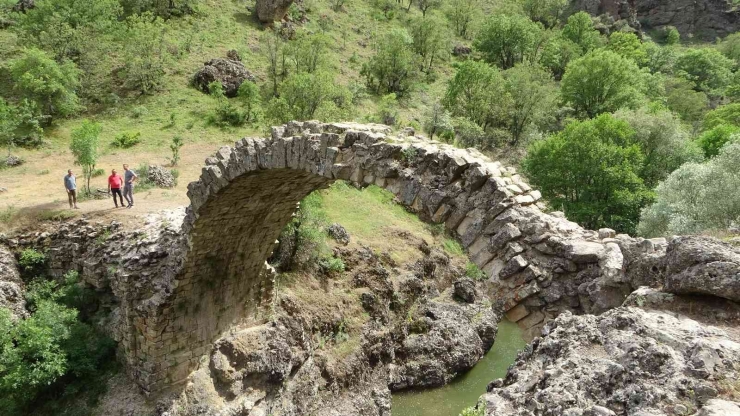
(177, 292)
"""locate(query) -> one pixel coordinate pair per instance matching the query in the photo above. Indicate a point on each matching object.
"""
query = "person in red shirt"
(114, 185)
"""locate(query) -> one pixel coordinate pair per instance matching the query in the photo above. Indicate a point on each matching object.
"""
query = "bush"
(474, 272)
(388, 110)
(332, 265)
(145, 53)
(580, 30)
(713, 140)
(707, 68)
(392, 68)
(477, 92)
(32, 262)
(84, 147)
(697, 198)
(126, 140)
(506, 40)
(591, 170)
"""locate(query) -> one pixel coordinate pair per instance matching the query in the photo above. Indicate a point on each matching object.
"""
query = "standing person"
(114, 185)
(70, 184)
(129, 177)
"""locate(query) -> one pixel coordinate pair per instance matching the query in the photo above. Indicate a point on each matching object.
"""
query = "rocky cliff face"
(701, 19)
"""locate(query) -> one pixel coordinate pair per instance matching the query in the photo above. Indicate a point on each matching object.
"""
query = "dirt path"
(35, 190)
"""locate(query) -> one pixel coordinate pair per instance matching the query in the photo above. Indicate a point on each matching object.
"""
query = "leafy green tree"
(226, 114)
(601, 82)
(663, 140)
(308, 52)
(437, 121)
(277, 58)
(469, 134)
(426, 5)
(387, 7)
(661, 59)
(145, 53)
(629, 46)
(681, 97)
(726, 114)
(391, 68)
(697, 198)
(302, 95)
(557, 52)
(730, 47)
(84, 147)
(506, 40)
(477, 92)
(673, 37)
(711, 141)
(580, 30)
(591, 171)
(547, 12)
(249, 96)
(533, 99)
(175, 147)
(46, 83)
(463, 14)
(431, 39)
(707, 68)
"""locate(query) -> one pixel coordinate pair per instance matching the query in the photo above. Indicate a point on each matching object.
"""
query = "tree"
(711, 141)
(277, 58)
(557, 52)
(533, 99)
(175, 147)
(672, 37)
(726, 114)
(601, 82)
(426, 5)
(580, 30)
(477, 92)
(591, 171)
(308, 52)
(681, 97)
(462, 15)
(249, 96)
(629, 46)
(506, 40)
(730, 47)
(431, 39)
(697, 198)
(662, 139)
(46, 83)
(301, 95)
(84, 147)
(437, 121)
(707, 68)
(391, 69)
(145, 53)
(547, 12)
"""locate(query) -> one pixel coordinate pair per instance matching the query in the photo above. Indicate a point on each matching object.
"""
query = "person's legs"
(69, 195)
(120, 196)
(73, 197)
(128, 195)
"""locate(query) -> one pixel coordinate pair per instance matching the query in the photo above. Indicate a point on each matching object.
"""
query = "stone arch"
(247, 193)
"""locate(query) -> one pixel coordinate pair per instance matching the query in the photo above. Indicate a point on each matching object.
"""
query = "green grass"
(452, 247)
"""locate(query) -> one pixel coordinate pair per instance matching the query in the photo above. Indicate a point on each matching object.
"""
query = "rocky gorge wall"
(701, 19)
(181, 283)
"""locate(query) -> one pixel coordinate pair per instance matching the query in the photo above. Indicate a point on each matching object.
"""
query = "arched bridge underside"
(247, 193)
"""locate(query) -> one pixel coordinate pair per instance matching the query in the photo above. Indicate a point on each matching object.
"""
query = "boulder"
(465, 290)
(229, 72)
(338, 233)
(702, 265)
(717, 407)
(160, 176)
(269, 11)
(13, 161)
(461, 50)
(11, 285)
(24, 5)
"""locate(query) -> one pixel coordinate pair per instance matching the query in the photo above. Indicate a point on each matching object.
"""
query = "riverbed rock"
(703, 265)
(465, 290)
(627, 361)
(229, 72)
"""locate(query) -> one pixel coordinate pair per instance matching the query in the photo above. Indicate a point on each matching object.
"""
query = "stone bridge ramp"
(537, 263)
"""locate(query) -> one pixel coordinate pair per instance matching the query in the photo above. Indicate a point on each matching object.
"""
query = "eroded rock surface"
(627, 361)
(231, 73)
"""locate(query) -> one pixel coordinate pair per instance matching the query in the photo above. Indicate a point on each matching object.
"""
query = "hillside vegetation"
(597, 118)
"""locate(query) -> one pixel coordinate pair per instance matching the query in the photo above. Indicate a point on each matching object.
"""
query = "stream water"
(465, 390)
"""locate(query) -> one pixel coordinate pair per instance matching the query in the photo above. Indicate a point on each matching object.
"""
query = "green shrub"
(139, 112)
(713, 140)
(332, 265)
(453, 247)
(32, 261)
(175, 147)
(126, 140)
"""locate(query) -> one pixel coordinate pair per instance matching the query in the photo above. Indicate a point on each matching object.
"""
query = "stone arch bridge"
(538, 264)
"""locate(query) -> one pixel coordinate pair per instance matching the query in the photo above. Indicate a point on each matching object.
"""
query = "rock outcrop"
(11, 285)
(628, 361)
(160, 176)
(231, 73)
(700, 19)
(269, 11)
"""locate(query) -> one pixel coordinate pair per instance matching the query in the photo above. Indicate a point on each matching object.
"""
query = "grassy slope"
(220, 26)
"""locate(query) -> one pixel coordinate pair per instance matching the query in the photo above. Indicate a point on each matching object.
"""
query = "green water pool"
(464, 391)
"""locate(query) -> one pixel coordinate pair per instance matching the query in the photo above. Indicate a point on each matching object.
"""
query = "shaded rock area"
(230, 72)
(11, 285)
(338, 233)
(628, 361)
(319, 357)
(700, 19)
(24, 5)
